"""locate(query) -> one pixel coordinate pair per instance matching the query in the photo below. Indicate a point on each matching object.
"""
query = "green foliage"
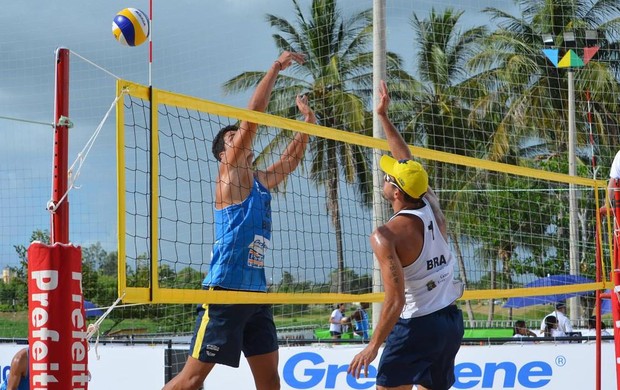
(13, 295)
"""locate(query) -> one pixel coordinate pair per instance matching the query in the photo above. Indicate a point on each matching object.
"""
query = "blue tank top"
(242, 236)
(362, 326)
(24, 384)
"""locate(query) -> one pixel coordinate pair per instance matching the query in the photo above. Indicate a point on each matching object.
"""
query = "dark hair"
(410, 199)
(518, 324)
(550, 321)
(592, 323)
(218, 141)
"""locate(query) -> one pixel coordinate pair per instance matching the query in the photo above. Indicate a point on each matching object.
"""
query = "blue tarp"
(92, 310)
(549, 281)
(605, 306)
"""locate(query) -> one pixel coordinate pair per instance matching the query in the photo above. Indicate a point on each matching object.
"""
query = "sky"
(197, 46)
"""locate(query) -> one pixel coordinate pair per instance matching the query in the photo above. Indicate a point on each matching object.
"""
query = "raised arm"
(294, 152)
(242, 141)
(397, 144)
(400, 150)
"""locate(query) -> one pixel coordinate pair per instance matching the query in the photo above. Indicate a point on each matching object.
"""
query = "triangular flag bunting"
(570, 60)
(552, 55)
(588, 53)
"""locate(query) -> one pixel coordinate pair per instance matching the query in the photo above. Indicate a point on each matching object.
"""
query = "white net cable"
(81, 157)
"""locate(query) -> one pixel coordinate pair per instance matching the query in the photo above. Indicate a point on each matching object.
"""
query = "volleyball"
(131, 27)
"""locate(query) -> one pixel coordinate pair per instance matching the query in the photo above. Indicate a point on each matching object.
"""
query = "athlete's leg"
(191, 376)
(265, 371)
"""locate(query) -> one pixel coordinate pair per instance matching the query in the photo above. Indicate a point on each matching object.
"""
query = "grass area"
(15, 324)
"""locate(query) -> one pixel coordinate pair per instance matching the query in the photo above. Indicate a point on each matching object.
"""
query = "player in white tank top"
(421, 326)
(429, 280)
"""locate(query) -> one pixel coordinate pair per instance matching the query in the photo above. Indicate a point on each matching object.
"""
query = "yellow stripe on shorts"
(201, 332)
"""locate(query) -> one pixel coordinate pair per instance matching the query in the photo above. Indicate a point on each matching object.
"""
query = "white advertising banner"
(537, 366)
(119, 367)
(528, 366)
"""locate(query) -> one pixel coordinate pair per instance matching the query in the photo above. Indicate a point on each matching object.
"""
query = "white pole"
(572, 196)
(379, 205)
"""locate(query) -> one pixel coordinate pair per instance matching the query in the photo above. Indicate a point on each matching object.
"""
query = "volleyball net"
(509, 224)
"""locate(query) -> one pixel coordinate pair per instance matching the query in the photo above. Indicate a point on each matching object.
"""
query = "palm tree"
(337, 77)
(531, 89)
(527, 92)
(441, 108)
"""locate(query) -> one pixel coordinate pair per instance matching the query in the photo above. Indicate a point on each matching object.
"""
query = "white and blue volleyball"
(131, 27)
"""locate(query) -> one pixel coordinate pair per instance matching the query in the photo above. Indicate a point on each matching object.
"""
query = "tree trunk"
(463, 275)
(333, 207)
(493, 287)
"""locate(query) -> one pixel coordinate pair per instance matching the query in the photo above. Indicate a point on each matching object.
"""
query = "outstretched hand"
(304, 108)
(286, 59)
(384, 99)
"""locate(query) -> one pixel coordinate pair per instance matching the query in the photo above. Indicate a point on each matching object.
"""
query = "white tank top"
(429, 280)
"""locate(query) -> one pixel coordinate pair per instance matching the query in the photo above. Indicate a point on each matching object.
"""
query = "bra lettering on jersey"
(435, 262)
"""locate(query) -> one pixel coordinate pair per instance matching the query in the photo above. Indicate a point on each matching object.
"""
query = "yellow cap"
(410, 176)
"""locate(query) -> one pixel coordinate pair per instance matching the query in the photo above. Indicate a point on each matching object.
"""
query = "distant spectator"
(563, 323)
(521, 330)
(592, 330)
(335, 321)
(551, 327)
(360, 318)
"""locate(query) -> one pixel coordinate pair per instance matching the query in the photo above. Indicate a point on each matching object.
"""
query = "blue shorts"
(223, 331)
(421, 350)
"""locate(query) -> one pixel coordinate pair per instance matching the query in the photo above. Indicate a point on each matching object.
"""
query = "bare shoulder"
(383, 235)
(20, 360)
(233, 185)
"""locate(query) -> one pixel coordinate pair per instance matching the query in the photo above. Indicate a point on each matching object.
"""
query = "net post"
(60, 216)
(380, 207)
(58, 356)
(615, 277)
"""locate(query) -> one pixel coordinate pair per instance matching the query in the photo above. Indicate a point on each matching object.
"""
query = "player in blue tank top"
(242, 238)
(18, 378)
